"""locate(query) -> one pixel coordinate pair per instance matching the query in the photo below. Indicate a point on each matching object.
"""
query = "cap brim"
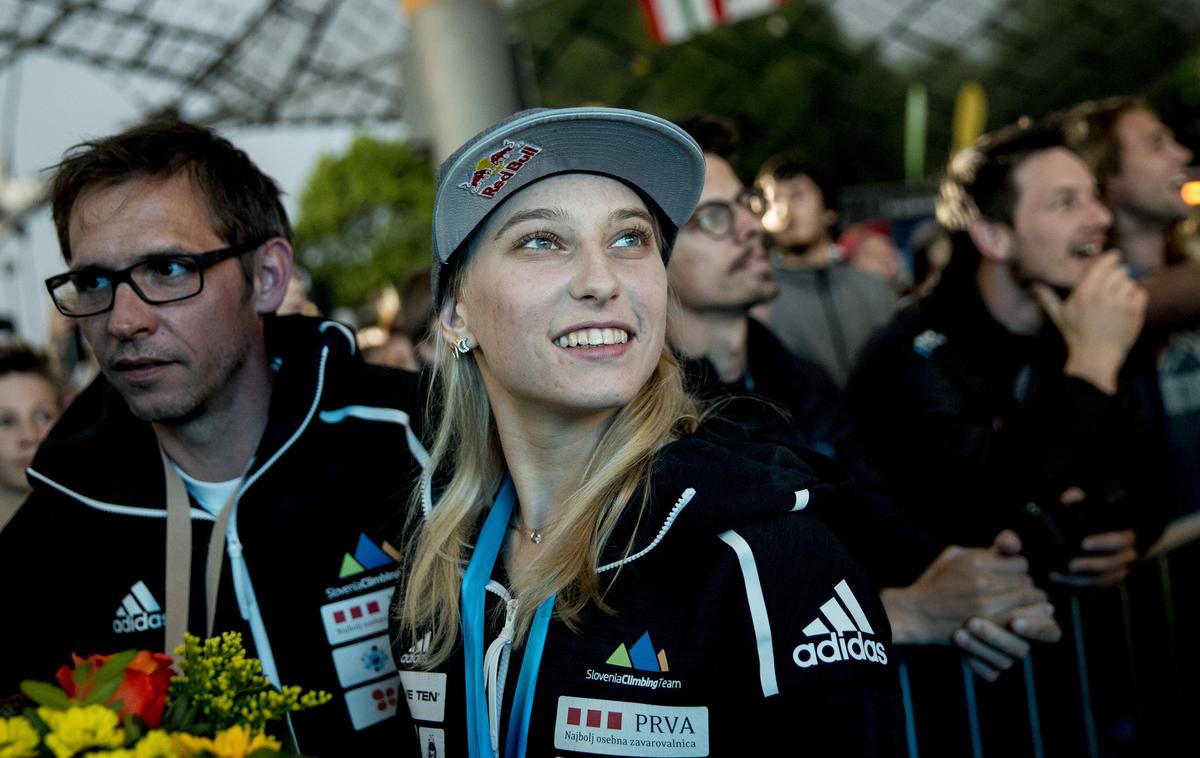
(649, 153)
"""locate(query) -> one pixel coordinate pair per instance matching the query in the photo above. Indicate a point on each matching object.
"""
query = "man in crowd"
(230, 469)
(1140, 168)
(1006, 400)
(826, 308)
(1004, 388)
(719, 271)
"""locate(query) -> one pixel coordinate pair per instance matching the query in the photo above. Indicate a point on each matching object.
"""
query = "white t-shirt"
(211, 496)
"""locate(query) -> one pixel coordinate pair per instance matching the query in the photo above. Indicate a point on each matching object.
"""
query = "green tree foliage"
(364, 219)
(793, 81)
(1034, 57)
(790, 80)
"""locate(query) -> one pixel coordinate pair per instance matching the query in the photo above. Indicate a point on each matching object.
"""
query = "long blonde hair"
(467, 447)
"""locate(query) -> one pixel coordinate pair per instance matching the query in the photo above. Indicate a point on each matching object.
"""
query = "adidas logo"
(367, 556)
(417, 653)
(139, 611)
(845, 641)
(641, 656)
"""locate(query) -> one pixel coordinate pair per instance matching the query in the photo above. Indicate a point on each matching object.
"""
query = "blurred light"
(1190, 192)
(372, 336)
(775, 219)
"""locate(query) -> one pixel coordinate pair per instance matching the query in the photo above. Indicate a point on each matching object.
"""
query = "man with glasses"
(231, 470)
(718, 271)
(826, 308)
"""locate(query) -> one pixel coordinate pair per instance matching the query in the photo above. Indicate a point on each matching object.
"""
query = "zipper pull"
(492, 663)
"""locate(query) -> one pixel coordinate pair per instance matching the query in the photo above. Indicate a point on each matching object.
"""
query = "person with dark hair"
(230, 470)
(590, 573)
(29, 405)
(718, 272)
(826, 308)
(1008, 378)
(1140, 168)
(1008, 400)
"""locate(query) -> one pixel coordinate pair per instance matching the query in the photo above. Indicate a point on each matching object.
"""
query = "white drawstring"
(495, 663)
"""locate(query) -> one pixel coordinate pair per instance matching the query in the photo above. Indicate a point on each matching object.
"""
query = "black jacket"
(781, 398)
(740, 623)
(84, 559)
(982, 431)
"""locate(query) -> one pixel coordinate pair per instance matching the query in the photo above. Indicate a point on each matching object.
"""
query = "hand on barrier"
(981, 599)
(1105, 561)
(992, 647)
(993, 644)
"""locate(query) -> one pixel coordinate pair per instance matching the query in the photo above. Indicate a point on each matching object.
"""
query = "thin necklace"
(535, 535)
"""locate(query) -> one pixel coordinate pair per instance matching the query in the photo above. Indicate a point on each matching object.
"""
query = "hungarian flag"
(673, 21)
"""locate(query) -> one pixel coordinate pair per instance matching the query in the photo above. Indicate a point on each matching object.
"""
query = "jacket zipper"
(680, 504)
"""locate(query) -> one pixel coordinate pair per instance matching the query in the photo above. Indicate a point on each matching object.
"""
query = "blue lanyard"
(474, 591)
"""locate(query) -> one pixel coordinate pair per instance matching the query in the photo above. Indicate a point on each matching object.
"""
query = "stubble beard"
(199, 392)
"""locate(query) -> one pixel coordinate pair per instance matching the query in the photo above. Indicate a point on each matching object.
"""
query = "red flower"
(143, 692)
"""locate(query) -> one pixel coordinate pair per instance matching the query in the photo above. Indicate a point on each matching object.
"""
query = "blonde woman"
(590, 575)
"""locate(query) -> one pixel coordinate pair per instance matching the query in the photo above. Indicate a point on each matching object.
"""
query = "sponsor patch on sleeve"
(373, 703)
(426, 694)
(613, 727)
(348, 620)
(362, 661)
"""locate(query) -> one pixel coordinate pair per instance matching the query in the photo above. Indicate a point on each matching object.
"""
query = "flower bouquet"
(131, 705)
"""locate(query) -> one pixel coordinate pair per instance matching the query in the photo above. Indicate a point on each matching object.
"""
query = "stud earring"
(463, 346)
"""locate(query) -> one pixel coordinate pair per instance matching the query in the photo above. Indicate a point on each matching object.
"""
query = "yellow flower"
(74, 729)
(18, 738)
(234, 742)
(155, 744)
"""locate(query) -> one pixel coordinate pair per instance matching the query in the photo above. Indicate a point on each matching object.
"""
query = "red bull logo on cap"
(492, 172)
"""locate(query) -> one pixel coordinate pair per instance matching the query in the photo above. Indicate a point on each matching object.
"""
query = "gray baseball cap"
(653, 156)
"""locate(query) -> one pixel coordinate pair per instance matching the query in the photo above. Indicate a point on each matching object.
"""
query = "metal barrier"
(1115, 685)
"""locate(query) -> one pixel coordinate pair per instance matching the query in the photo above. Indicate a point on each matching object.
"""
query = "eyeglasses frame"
(740, 200)
(203, 261)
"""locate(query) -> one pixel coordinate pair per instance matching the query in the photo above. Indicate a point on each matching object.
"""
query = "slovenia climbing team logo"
(640, 656)
(367, 556)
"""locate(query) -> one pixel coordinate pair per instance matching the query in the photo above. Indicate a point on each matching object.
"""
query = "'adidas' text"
(838, 648)
(139, 611)
(845, 641)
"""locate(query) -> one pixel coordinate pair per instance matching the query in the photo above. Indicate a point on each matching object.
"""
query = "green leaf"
(46, 694)
(176, 714)
(81, 673)
(103, 692)
(115, 667)
(134, 728)
(33, 718)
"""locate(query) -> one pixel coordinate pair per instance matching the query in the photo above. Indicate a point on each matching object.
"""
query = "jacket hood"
(99, 448)
(703, 486)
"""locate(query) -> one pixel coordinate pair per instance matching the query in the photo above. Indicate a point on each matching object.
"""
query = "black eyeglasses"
(715, 218)
(157, 280)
